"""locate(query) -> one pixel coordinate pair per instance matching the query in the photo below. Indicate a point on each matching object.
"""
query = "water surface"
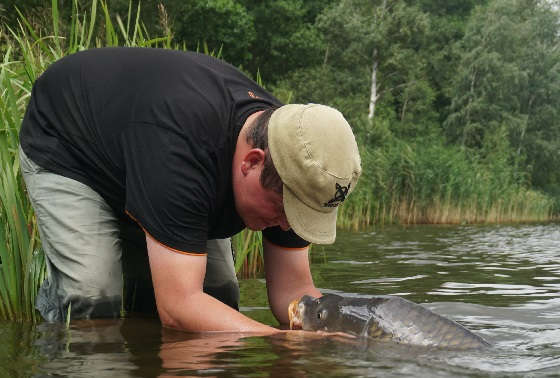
(503, 282)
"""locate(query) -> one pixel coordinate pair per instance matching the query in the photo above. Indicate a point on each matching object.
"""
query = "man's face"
(259, 208)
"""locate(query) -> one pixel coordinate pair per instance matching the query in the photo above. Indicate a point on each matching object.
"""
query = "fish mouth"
(295, 315)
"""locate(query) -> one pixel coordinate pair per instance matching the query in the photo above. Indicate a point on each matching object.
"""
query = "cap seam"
(307, 150)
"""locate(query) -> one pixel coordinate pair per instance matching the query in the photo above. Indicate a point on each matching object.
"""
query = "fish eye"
(321, 314)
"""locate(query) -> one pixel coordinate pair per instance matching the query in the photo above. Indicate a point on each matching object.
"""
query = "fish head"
(315, 314)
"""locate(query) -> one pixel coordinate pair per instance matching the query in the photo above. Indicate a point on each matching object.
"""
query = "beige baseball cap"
(315, 153)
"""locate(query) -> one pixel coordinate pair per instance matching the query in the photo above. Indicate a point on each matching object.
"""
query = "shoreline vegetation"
(405, 181)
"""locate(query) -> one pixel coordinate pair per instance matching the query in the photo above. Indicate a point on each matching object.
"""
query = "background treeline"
(454, 102)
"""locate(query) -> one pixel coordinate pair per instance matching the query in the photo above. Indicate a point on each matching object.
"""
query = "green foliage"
(21, 262)
(326, 85)
(429, 182)
(448, 8)
(249, 259)
(508, 78)
(286, 38)
(362, 36)
(222, 24)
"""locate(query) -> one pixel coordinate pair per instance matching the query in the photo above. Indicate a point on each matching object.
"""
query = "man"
(192, 151)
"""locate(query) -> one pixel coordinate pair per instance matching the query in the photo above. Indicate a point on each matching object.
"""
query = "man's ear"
(254, 158)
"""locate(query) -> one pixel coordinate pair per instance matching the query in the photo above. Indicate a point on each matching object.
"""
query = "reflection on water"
(501, 282)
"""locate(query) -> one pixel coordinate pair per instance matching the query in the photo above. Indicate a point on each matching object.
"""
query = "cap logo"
(339, 195)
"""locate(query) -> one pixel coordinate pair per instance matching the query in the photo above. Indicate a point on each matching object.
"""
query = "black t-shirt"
(153, 131)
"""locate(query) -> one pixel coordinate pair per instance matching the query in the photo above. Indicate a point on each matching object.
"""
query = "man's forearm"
(180, 299)
(200, 312)
(287, 278)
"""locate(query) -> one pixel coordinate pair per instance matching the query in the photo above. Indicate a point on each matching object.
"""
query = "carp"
(382, 317)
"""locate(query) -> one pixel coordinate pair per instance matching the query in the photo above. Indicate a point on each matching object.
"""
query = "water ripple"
(389, 279)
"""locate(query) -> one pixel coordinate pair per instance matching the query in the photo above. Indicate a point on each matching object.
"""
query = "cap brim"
(309, 224)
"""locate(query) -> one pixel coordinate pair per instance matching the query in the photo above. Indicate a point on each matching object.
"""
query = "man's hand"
(182, 304)
(287, 278)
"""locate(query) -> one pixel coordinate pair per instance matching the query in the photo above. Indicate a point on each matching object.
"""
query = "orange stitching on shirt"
(160, 243)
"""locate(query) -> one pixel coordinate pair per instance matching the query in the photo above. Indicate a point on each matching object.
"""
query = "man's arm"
(182, 304)
(288, 277)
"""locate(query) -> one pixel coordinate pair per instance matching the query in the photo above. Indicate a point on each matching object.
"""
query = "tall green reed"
(430, 182)
(249, 259)
(21, 260)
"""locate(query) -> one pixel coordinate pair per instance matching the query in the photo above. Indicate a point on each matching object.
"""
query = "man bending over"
(142, 163)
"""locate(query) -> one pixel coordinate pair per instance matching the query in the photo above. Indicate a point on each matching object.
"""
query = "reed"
(21, 260)
(249, 260)
(433, 183)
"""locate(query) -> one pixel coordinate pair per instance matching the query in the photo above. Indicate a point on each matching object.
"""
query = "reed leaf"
(249, 260)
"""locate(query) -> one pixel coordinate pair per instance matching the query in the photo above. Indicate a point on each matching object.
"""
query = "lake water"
(502, 282)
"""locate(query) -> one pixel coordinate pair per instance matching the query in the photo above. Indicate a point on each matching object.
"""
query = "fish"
(383, 317)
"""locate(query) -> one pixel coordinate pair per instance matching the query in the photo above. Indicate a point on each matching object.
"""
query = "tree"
(224, 25)
(286, 37)
(376, 48)
(509, 78)
(448, 19)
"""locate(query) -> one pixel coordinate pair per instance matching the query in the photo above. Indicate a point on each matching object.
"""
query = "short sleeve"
(286, 239)
(168, 187)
